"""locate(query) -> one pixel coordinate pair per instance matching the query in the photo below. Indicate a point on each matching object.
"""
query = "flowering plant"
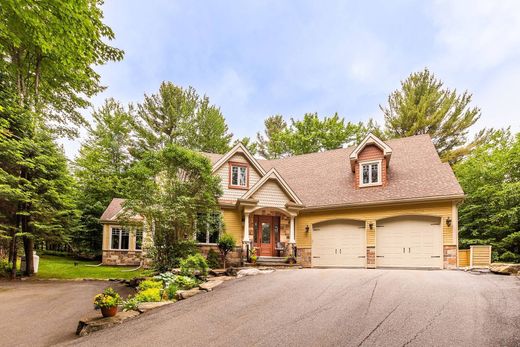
(109, 298)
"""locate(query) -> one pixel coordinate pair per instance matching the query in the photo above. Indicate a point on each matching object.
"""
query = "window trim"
(379, 173)
(131, 230)
(230, 180)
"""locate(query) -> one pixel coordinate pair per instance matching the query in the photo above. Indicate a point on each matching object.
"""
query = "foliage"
(185, 282)
(226, 244)
(490, 177)
(147, 284)
(173, 253)
(51, 49)
(213, 259)
(130, 304)
(180, 116)
(252, 255)
(69, 268)
(109, 298)
(250, 145)
(424, 106)
(308, 135)
(169, 188)
(100, 170)
(149, 295)
(194, 265)
(6, 268)
(170, 291)
(166, 277)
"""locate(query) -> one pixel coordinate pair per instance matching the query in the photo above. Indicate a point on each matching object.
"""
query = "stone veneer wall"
(371, 257)
(303, 257)
(122, 257)
(450, 257)
(234, 258)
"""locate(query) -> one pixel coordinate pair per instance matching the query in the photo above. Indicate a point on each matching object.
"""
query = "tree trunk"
(28, 246)
(14, 255)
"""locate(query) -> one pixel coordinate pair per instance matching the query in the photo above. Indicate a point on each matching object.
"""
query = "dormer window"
(238, 175)
(370, 174)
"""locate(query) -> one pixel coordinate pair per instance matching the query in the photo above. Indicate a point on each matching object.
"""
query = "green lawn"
(64, 268)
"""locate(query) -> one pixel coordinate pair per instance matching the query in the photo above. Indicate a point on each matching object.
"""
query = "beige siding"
(223, 173)
(371, 233)
(106, 236)
(233, 224)
(271, 195)
(447, 233)
(303, 239)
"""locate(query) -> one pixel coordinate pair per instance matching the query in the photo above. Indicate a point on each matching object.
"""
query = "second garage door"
(409, 242)
(339, 244)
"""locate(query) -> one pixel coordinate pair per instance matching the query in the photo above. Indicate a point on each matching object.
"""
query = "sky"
(258, 58)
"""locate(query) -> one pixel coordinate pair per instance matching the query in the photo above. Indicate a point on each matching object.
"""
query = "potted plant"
(252, 255)
(107, 302)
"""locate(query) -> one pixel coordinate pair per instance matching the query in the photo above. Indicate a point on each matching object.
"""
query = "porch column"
(291, 237)
(246, 228)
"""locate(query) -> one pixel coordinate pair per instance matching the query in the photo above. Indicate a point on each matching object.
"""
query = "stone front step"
(273, 265)
(271, 259)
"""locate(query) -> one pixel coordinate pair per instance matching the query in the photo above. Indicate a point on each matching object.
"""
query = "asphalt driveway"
(330, 307)
(43, 313)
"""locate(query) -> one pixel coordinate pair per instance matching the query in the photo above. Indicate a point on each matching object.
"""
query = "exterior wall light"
(371, 226)
(306, 228)
(448, 221)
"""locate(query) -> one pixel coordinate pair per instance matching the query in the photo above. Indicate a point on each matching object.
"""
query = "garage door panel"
(409, 242)
(339, 244)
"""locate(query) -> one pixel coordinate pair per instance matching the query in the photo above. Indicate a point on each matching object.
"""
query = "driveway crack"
(378, 325)
(371, 297)
(429, 323)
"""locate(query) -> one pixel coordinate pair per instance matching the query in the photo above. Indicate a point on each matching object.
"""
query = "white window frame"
(379, 173)
(136, 230)
(246, 176)
(130, 232)
(207, 232)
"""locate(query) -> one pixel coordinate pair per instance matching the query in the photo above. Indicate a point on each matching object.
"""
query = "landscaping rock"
(221, 278)
(147, 306)
(505, 269)
(232, 271)
(217, 272)
(175, 271)
(248, 272)
(208, 286)
(184, 294)
(91, 324)
(134, 282)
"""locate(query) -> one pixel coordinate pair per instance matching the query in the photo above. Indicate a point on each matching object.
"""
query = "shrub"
(149, 295)
(109, 298)
(169, 292)
(5, 268)
(148, 284)
(130, 304)
(166, 277)
(185, 282)
(193, 265)
(226, 243)
(509, 257)
(171, 255)
(213, 259)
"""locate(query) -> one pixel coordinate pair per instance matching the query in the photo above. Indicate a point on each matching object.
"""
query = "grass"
(65, 268)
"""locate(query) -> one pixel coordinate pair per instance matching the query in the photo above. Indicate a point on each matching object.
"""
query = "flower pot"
(109, 311)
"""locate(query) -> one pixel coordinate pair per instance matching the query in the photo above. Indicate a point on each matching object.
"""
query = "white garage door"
(339, 243)
(409, 242)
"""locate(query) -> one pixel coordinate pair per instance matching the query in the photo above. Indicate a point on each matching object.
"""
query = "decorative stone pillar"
(291, 235)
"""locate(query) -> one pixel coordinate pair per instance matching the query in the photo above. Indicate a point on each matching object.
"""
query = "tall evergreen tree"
(48, 50)
(424, 106)
(270, 144)
(180, 116)
(101, 170)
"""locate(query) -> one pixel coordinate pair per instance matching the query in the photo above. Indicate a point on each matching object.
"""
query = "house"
(380, 204)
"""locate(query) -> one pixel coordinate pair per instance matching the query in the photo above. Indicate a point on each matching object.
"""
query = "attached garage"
(410, 241)
(339, 244)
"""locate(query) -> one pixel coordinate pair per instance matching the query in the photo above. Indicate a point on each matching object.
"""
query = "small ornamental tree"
(226, 243)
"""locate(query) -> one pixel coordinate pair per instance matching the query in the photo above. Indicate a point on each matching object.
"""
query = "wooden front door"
(266, 232)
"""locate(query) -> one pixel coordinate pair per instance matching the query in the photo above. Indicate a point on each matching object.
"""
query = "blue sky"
(258, 58)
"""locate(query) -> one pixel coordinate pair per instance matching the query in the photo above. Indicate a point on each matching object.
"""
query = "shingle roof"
(113, 208)
(325, 178)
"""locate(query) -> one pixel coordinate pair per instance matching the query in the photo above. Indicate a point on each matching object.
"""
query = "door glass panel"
(276, 233)
(266, 233)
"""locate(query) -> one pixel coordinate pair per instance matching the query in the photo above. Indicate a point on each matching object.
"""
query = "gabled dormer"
(238, 171)
(369, 162)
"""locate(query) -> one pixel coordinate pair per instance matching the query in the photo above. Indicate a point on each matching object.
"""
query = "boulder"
(208, 286)
(505, 269)
(248, 272)
(95, 323)
(217, 272)
(221, 278)
(184, 294)
(147, 306)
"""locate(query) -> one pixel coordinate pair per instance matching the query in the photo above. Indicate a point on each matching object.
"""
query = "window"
(120, 238)
(238, 176)
(370, 174)
(208, 228)
(139, 239)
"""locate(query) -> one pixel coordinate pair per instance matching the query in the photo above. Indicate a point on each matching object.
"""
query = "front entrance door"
(266, 235)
